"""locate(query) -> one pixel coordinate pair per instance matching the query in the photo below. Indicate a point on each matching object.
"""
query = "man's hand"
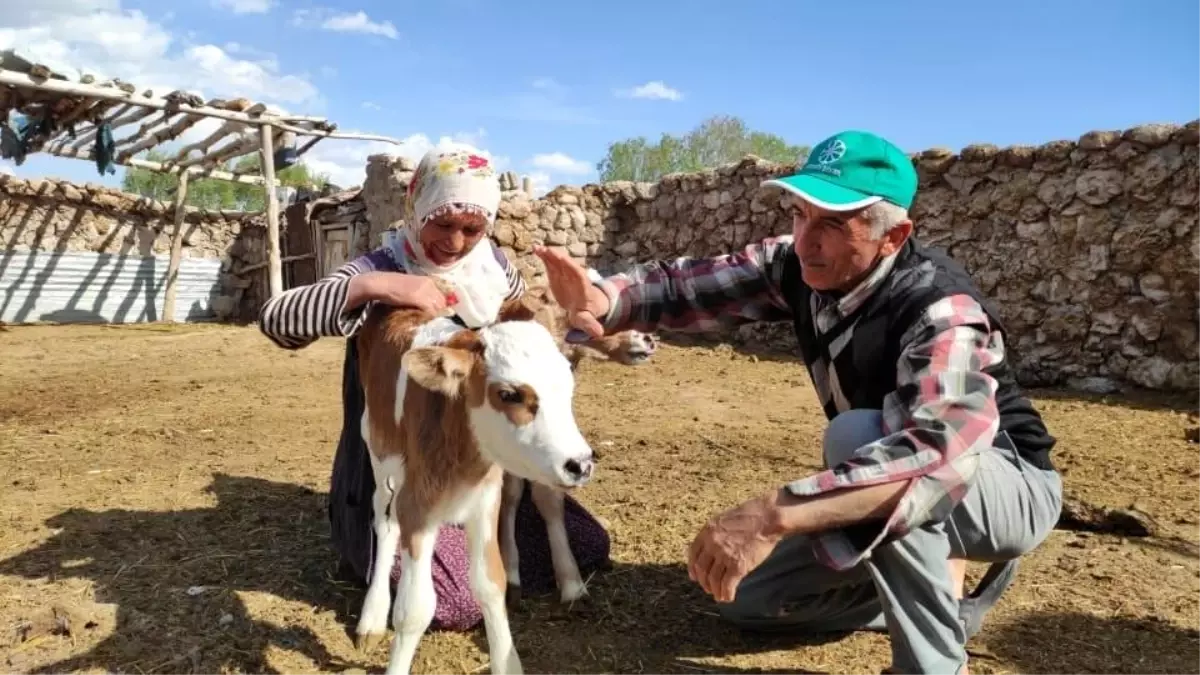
(732, 545)
(573, 291)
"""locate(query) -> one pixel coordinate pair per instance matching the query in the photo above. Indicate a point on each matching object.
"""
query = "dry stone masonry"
(52, 215)
(1089, 247)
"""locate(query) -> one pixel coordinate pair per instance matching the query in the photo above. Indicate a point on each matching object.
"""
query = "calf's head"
(518, 388)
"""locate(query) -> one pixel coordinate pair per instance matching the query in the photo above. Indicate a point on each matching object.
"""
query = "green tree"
(717, 140)
(212, 193)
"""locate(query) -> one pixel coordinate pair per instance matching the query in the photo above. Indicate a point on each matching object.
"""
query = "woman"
(451, 207)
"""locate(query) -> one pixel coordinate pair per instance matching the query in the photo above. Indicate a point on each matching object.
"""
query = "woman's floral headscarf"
(455, 179)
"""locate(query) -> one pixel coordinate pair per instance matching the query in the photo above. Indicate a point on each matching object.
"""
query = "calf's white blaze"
(523, 353)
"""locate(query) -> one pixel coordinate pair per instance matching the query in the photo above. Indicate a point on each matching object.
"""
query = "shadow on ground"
(272, 538)
(261, 536)
(1130, 396)
(1081, 643)
(639, 618)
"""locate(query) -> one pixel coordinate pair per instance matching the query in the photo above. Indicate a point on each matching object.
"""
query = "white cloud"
(545, 83)
(541, 183)
(345, 22)
(369, 105)
(100, 38)
(652, 90)
(345, 162)
(561, 162)
(539, 106)
(244, 6)
(211, 69)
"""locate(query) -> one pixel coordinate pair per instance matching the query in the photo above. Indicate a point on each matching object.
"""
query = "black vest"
(866, 369)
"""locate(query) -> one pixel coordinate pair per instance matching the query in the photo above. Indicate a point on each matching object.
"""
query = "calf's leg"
(549, 503)
(488, 578)
(514, 488)
(416, 598)
(372, 620)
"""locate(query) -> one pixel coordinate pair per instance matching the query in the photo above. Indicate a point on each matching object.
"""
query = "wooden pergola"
(80, 120)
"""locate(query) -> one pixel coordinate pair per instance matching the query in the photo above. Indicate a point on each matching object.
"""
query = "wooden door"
(336, 249)
(298, 240)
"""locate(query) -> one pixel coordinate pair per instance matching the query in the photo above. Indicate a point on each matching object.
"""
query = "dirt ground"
(162, 510)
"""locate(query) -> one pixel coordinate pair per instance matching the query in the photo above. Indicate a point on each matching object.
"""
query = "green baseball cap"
(851, 170)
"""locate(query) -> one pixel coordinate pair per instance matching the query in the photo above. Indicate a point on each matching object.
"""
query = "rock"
(1099, 140)
(1154, 287)
(503, 233)
(1150, 372)
(1032, 231)
(71, 193)
(578, 220)
(1099, 187)
(1020, 156)
(1057, 192)
(1189, 134)
(1147, 323)
(979, 153)
(1151, 135)
(1106, 323)
(1093, 385)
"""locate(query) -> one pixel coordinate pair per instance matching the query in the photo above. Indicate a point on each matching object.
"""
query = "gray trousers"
(904, 586)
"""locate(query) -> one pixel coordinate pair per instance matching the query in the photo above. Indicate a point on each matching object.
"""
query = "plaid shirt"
(935, 425)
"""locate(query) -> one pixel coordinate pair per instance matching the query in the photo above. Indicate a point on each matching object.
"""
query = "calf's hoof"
(512, 596)
(573, 591)
(367, 642)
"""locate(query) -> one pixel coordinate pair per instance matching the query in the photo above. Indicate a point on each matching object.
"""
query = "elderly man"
(933, 455)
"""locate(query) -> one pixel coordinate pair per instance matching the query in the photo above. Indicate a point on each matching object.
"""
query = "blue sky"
(546, 86)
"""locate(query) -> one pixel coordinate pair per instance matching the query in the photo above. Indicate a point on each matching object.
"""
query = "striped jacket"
(299, 316)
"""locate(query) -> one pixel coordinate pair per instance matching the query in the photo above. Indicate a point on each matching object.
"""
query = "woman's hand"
(573, 291)
(396, 290)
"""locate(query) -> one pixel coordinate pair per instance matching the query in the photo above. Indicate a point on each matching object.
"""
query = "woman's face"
(446, 239)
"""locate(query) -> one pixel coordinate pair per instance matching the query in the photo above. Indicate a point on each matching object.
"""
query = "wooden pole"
(176, 250)
(274, 266)
(261, 264)
(202, 172)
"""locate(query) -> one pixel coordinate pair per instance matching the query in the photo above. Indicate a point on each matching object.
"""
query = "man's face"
(836, 248)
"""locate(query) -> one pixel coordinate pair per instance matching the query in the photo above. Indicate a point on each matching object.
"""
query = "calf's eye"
(510, 396)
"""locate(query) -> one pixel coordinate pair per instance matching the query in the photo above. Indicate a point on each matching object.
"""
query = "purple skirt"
(351, 492)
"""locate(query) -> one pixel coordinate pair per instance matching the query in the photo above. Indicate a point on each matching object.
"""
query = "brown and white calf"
(449, 411)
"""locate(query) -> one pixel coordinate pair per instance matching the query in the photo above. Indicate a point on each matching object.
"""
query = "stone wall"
(1089, 247)
(52, 215)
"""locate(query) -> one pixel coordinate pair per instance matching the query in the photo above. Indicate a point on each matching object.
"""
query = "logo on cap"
(827, 157)
(832, 152)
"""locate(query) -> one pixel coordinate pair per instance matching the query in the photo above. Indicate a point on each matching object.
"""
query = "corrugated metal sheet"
(77, 287)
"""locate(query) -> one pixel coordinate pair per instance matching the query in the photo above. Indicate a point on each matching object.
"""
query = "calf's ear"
(440, 369)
